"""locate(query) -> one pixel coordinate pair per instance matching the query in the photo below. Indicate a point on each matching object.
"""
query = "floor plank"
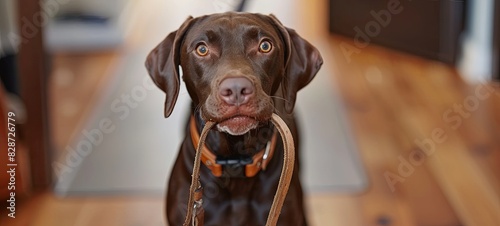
(466, 185)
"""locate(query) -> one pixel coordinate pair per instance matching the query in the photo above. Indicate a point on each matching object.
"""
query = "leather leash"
(195, 210)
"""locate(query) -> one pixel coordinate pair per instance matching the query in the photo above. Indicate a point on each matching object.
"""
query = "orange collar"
(208, 158)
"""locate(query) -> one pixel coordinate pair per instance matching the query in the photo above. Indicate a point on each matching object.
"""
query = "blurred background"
(400, 126)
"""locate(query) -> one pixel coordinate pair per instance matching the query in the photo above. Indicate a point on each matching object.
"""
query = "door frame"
(33, 85)
(496, 41)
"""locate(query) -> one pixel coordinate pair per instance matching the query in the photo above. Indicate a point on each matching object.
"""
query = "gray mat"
(137, 155)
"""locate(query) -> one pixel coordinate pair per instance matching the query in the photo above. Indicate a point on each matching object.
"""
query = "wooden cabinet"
(426, 28)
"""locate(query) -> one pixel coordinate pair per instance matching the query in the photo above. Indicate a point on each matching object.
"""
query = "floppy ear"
(162, 64)
(302, 62)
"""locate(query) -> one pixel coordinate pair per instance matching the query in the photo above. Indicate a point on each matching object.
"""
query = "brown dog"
(239, 68)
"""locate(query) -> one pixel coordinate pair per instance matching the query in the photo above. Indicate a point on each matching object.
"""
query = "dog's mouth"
(238, 125)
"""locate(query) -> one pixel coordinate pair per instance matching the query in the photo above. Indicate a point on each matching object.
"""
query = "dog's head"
(234, 65)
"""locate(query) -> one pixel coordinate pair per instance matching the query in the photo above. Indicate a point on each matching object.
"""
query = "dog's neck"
(229, 146)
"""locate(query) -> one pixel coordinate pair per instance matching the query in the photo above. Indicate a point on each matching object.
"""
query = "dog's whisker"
(280, 98)
(197, 109)
(277, 111)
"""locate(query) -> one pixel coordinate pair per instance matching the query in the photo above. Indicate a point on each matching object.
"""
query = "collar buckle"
(241, 161)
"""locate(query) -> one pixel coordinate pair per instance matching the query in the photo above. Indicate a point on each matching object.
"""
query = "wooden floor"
(430, 144)
(397, 103)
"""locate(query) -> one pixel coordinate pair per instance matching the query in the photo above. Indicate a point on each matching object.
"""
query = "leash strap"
(195, 211)
(286, 171)
(196, 184)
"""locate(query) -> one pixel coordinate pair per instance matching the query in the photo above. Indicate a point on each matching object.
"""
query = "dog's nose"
(236, 90)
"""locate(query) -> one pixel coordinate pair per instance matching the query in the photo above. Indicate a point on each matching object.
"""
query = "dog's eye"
(265, 47)
(202, 50)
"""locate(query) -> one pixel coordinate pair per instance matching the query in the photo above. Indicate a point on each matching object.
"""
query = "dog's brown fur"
(233, 40)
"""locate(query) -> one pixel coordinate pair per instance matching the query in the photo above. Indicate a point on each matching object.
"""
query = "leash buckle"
(268, 149)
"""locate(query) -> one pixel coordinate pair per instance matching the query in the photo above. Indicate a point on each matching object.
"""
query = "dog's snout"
(236, 90)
